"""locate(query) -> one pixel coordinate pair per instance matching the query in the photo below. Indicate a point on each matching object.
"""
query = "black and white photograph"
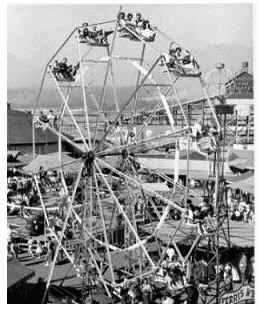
(130, 153)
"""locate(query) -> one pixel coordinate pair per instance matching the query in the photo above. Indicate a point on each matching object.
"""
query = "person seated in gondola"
(178, 54)
(67, 72)
(122, 24)
(72, 70)
(102, 36)
(86, 35)
(177, 58)
(147, 32)
(52, 119)
(189, 64)
(42, 117)
(170, 59)
(139, 22)
(129, 21)
(121, 18)
(126, 22)
(144, 29)
(99, 36)
(56, 70)
(181, 61)
(63, 68)
(84, 32)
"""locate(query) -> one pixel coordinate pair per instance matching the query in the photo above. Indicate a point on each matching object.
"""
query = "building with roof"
(240, 91)
(19, 134)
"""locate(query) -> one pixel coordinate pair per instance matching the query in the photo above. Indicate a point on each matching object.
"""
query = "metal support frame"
(99, 162)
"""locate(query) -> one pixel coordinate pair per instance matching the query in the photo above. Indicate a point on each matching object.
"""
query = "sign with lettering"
(246, 292)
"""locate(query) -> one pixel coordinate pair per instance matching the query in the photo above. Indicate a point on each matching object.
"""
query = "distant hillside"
(24, 80)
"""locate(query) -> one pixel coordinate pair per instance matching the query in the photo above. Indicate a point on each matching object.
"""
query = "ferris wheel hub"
(88, 158)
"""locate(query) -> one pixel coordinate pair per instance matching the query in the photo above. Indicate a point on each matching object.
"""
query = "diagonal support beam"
(69, 110)
(130, 99)
(125, 216)
(104, 228)
(63, 231)
(47, 126)
(99, 272)
(139, 185)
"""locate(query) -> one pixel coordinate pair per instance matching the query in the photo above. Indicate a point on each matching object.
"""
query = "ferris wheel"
(115, 196)
(216, 79)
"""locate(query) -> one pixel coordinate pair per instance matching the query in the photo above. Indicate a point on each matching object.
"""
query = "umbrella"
(50, 162)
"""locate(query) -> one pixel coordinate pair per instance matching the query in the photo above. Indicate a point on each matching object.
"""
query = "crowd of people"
(93, 36)
(172, 282)
(181, 61)
(140, 26)
(20, 192)
(168, 285)
(241, 208)
(64, 72)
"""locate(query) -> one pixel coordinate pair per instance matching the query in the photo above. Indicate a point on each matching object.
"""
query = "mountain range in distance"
(24, 78)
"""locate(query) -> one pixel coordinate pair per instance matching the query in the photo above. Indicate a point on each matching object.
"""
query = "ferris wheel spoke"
(65, 101)
(63, 107)
(139, 242)
(41, 200)
(114, 88)
(99, 272)
(162, 97)
(175, 93)
(134, 106)
(152, 113)
(128, 102)
(145, 144)
(71, 201)
(84, 94)
(104, 89)
(95, 102)
(104, 228)
(62, 136)
(139, 185)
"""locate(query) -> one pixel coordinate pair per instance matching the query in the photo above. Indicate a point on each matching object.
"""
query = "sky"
(35, 31)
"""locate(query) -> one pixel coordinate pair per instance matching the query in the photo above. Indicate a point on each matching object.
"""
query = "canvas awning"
(239, 177)
(50, 162)
(246, 185)
(242, 159)
(156, 186)
(198, 168)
